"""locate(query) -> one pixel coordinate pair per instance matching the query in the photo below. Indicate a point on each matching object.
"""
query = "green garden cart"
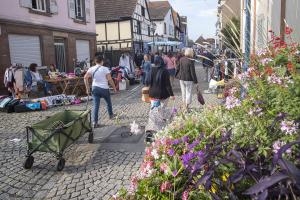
(56, 133)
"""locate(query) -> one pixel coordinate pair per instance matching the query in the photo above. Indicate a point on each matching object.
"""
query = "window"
(143, 11)
(39, 5)
(139, 28)
(165, 28)
(79, 9)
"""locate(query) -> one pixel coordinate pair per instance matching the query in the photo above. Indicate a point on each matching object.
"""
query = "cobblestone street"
(92, 171)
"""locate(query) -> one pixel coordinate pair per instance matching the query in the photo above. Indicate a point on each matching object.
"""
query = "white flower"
(155, 154)
(277, 145)
(232, 102)
(134, 128)
(266, 61)
(289, 127)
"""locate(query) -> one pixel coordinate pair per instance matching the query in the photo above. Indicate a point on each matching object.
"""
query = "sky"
(202, 16)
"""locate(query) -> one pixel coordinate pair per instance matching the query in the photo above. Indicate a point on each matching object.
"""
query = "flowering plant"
(240, 150)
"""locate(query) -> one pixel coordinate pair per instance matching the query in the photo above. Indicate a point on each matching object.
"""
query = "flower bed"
(241, 150)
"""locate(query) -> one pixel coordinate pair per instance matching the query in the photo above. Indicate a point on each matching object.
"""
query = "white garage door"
(25, 49)
(83, 50)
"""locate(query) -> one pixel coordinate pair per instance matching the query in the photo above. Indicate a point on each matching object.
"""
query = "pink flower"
(166, 141)
(165, 186)
(164, 168)
(185, 195)
(133, 184)
(148, 151)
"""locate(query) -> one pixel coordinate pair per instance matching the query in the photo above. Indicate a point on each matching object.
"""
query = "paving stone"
(92, 171)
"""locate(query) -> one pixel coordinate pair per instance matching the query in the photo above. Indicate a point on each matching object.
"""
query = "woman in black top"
(160, 86)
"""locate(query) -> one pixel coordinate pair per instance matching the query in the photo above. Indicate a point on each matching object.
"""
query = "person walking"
(146, 68)
(208, 64)
(170, 63)
(160, 89)
(100, 89)
(186, 73)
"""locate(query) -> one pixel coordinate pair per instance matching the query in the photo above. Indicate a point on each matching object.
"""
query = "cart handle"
(87, 102)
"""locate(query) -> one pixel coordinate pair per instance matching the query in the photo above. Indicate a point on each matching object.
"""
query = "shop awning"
(165, 43)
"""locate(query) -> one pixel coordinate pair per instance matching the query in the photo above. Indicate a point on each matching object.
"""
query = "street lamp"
(153, 28)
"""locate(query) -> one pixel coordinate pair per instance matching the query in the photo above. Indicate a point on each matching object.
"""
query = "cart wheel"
(60, 164)
(91, 137)
(29, 162)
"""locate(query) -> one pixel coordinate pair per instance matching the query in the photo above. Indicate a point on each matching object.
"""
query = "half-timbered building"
(123, 25)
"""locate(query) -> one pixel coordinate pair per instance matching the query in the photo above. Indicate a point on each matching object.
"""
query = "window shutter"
(26, 3)
(71, 5)
(53, 7)
(87, 11)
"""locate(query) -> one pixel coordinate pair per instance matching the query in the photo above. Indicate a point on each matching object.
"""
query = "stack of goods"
(9, 104)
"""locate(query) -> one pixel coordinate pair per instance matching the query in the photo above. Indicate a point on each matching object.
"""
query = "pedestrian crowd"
(156, 71)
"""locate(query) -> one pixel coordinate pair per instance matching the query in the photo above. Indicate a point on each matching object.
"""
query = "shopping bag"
(200, 97)
(145, 95)
(213, 84)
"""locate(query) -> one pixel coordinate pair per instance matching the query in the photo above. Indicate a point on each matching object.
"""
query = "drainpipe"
(247, 34)
(247, 45)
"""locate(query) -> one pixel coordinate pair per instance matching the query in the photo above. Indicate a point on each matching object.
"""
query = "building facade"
(46, 32)
(161, 14)
(177, 25)
(123, 26)
(184, 37)
(269, 15)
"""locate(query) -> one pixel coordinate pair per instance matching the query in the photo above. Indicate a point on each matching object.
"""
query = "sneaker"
(111, 117)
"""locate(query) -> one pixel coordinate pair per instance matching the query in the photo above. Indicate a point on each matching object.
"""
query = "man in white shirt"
(100, 89)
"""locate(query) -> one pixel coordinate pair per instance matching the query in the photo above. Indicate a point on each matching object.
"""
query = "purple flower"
(200, 154)
(193, 145)
(176, 142)
(186, 158)
(288, 127)
(171, 152)
(258, 102)
(174, 173)
(196, 167)
(232, 102)
(185, 138)
(174, 111)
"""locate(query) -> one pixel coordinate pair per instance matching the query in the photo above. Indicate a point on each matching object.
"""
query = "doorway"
(60, 54)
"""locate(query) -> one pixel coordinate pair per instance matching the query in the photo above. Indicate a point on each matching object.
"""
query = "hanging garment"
(8, 79)
(19, 79)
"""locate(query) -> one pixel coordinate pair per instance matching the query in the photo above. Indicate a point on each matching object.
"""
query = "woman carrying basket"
(100, 89)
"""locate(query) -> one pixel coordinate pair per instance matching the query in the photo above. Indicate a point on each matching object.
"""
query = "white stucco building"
(269, 15)
(161, 14)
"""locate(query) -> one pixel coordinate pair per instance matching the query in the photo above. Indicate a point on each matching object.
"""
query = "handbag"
(200, 97)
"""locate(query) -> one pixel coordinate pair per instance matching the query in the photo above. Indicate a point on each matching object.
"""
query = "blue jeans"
(46, 87)
(99, 93)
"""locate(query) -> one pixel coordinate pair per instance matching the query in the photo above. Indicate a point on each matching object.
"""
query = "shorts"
(172, 72)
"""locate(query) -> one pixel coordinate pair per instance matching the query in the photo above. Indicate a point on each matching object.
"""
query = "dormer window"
(39, 5)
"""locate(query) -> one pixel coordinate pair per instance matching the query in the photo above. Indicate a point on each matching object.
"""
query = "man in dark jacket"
(208, 64)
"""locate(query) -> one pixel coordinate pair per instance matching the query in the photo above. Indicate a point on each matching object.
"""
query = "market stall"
(69, 86)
